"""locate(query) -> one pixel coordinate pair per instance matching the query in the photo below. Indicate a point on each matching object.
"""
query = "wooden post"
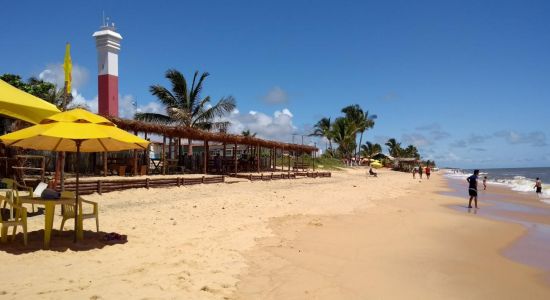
(146, 158)
(205, 163)
(314, 155)
(270, 159)
(163, 153)
(223, 158)
(235, 158)
(135, 162)
(289, 160)
(274, 159)
(258, 149)
(104, 164)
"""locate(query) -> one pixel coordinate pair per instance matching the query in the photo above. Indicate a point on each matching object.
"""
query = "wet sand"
(409, 247)
(522, 208)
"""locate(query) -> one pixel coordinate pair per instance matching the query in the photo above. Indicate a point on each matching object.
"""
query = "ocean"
(517, 179)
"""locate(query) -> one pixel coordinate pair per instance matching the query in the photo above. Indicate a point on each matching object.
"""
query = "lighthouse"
(107, 42)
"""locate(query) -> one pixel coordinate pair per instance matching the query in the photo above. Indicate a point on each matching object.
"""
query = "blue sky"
(465, 81)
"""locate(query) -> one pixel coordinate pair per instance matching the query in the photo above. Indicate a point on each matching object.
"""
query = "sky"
(467, 82)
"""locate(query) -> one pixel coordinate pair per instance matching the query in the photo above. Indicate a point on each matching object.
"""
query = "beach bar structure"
(259, 155)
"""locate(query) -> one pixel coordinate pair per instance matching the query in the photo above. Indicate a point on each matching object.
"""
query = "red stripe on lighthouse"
(108, 95)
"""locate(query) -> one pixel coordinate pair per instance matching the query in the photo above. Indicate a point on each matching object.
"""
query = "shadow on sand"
(60, 241)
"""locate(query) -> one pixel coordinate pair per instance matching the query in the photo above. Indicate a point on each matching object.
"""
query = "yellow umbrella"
(77, 131)
(23, 106)
(376, 164)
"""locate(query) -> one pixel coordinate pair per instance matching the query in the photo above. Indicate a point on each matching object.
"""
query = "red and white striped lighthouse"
(107, 42)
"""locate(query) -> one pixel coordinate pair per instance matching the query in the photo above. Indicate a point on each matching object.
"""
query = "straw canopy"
(196, 134)
(17, 104)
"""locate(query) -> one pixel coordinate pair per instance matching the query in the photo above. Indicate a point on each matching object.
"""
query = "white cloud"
(534, 138)
(417, 140)
(276, 96)
(54, 73)
(279, 126)
(80, 100)
(127, 107)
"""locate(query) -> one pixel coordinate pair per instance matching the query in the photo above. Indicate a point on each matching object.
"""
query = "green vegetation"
(345, 130)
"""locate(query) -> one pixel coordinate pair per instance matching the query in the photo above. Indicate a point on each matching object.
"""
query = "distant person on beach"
(414, 173)
(484, 182)
(372, 173)
(420, 171)
(538, 186)
(428, 172)
(472, 188)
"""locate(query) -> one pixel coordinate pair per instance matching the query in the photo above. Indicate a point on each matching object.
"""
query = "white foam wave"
(517, 183)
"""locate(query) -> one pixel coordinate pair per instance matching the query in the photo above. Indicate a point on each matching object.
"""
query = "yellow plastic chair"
(69, 213)
(14, 185)
(17, 217)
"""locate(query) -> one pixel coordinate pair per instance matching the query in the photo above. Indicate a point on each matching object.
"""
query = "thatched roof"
(196, 134)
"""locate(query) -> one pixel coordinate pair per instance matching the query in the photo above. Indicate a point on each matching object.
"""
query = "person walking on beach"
(538, 186)
(414, 173)
(428, 171)
(484, 182)
(420, 171)
(472, 188)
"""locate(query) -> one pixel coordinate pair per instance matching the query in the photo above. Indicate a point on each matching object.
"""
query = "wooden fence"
(264, 177)
(314, 174)
(105, 186)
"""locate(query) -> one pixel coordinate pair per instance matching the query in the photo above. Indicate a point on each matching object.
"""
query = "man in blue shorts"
(472, 188)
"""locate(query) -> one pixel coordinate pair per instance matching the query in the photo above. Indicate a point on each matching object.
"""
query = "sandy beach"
(345, 237)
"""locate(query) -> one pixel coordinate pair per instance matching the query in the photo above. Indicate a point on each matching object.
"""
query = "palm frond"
(163, 95)
(153, 118)
(225, 105)
(194, 94)
(179, 86)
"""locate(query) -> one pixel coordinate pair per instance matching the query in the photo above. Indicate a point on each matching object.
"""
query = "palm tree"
(370, 149)
(361, 119)
(185, 107)
(366, 124)
(394, 147)
(323, 129)
(343, 132)
(247, 133)
(411, 151)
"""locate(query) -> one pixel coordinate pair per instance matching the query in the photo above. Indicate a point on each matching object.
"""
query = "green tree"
(394, 147)
(185, 107)
(343, 132)
(323, 129)
(361, 119)
(411, 151)
(248, 133)
(369, 149)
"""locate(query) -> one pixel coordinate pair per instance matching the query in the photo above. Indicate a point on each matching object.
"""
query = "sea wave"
(515, 183)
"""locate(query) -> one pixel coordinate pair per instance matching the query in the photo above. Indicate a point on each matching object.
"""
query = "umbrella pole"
(76, 216)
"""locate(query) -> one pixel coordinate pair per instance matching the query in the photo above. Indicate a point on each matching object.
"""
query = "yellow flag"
(68, 67)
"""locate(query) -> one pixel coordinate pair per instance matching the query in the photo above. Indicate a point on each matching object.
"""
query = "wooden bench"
(300, 166)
